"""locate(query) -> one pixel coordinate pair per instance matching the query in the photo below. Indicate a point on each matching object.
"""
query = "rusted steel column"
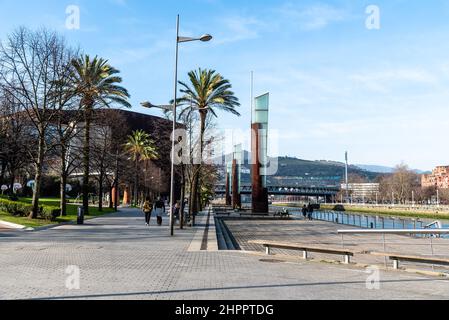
(259, 193)
(228, 195)
(236, 199)
(113, 195)
(126, 197)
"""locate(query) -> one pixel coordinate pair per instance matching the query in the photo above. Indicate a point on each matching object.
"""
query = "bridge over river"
(287, 191)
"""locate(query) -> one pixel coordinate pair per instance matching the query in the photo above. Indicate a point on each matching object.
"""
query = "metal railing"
(397, 231)
(372, 221)
(384, 232)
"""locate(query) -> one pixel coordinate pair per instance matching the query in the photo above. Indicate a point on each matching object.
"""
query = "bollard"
(80, 218)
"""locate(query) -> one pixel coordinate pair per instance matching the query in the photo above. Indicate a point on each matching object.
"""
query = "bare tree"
(13, 138)
(29, 71)
(107, 138)
(399, 185)
(65, 126)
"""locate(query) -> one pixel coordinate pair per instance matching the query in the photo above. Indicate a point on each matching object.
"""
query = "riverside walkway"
(119, 258)
(326, 234)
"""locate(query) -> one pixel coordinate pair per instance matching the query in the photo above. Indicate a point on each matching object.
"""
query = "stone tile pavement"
(119, 258)
(326, 233)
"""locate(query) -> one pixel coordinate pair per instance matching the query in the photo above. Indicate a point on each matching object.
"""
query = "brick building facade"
(438, 178)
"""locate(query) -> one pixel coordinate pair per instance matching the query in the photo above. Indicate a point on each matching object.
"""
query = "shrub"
(22, 209)
(15, 208)
(49, 213)
(340, 208)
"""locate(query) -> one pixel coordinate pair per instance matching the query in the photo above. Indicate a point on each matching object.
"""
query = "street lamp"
(173, 108)
(149, 105)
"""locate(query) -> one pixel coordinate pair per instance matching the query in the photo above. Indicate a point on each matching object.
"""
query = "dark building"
(121, 123)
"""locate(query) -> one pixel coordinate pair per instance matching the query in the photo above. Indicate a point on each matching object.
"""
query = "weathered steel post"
(235, 185)
(228, 188)
(259, 192)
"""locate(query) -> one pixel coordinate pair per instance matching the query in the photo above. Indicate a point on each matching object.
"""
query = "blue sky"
(383, 95)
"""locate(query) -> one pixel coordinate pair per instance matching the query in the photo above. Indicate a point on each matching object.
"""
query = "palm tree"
(96, 83)
(209, 92)
(140, 147)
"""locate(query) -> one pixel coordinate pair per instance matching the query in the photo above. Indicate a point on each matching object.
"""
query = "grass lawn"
(23, 221)
(71, 214)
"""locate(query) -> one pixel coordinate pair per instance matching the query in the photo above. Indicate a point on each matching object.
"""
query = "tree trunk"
(63, 185)
(111, 190)
(12, 179)
(38, 176)
(200, 202)
(63, 201)
(194, 193)
(183, 195)
(116, 183)
(191, 202)
(86, 159)
(136, 184)
(100, 192)
(3, 173)
(197, 168)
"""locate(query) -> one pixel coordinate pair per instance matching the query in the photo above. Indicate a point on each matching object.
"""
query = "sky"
(382, 94)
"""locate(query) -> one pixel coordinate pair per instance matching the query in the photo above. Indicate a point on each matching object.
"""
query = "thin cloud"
(382, 81)
(239, 28)
(313, 17)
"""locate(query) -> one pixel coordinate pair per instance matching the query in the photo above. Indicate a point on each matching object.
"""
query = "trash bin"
(80, 215)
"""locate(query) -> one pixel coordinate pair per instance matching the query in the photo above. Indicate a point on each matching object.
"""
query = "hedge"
(22, 209)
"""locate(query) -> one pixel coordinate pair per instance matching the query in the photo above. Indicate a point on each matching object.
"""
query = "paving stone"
(120, 258)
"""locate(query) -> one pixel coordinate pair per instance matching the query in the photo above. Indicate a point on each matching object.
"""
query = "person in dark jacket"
(310, 212)
(159, 209)
(305, 211)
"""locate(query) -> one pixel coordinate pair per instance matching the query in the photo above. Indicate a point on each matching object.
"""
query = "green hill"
(293, 171)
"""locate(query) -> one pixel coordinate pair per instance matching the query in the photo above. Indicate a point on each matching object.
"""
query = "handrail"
(438, 224)
(395, 231)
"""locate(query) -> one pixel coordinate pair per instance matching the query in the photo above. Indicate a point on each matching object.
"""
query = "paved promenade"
(119, 258)
(326, 234)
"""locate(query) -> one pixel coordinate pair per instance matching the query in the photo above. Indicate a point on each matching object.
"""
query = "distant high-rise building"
(361, 190)
(438, 178)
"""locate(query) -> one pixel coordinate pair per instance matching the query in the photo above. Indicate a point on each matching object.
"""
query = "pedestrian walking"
(159, 209)
(177, 210)
(304, 212)
(147, 210)
(310, 212)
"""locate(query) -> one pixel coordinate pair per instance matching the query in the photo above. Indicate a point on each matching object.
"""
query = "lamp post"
(179, 39)
(346, 174)
(438, 198)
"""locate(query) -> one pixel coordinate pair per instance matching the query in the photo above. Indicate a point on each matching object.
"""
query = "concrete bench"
(396, 258)
(250, 214)
(306, 249)
(282, 214)
(221, 213)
